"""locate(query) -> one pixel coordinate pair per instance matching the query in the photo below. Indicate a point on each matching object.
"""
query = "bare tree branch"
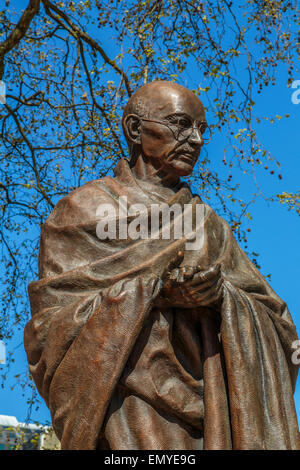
(79, 34)
(33, 159)
(19, 32)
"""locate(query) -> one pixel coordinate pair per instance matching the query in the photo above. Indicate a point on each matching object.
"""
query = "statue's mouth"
(185, 154)
(188, 157)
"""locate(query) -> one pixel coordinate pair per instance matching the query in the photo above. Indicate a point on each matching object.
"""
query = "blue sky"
(274, 230)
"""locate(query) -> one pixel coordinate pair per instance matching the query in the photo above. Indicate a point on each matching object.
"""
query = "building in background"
(23, 436)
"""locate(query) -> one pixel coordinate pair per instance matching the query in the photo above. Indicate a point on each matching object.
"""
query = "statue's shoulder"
(210, 215)
(80, 205)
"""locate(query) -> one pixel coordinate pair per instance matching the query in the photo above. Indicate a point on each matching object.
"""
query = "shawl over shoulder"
(94, 296)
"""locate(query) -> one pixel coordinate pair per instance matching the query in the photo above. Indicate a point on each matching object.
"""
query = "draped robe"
(119, 372)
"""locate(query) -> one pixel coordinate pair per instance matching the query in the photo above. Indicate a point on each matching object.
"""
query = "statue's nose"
(196, 136)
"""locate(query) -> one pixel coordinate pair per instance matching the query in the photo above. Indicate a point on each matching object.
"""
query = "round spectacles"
(184, 128)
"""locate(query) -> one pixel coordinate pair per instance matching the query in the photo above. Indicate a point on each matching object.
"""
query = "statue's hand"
(189, 287)
(206, 287)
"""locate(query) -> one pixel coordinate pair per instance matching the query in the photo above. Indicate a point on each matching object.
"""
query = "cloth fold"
(88, 331)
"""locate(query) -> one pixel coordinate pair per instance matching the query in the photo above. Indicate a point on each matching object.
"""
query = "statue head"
(165, 122)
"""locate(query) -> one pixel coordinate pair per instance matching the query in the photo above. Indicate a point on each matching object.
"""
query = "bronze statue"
(141, 343)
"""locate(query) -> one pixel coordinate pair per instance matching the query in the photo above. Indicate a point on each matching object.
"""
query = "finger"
(173, 263)
(174, 275)
(201, 294)
(199, 284)
(189, 272)
(182, 274)
(185, 273)
(200, 281)
(176, 261)
(213, 288)
(184, 294)
(202, 276)
(209, 301)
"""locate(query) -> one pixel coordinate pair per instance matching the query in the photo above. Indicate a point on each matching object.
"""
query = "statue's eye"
(202, 127)
(184, 122)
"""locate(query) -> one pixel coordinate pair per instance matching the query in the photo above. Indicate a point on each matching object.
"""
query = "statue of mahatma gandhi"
(141, 343)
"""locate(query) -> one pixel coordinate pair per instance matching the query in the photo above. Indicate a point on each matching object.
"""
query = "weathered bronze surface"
(141, 343)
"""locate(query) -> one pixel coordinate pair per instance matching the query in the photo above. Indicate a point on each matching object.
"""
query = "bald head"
(163, 123)
(159, 99)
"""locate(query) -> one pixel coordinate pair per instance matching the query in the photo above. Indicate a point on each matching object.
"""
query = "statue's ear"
(132, 128)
